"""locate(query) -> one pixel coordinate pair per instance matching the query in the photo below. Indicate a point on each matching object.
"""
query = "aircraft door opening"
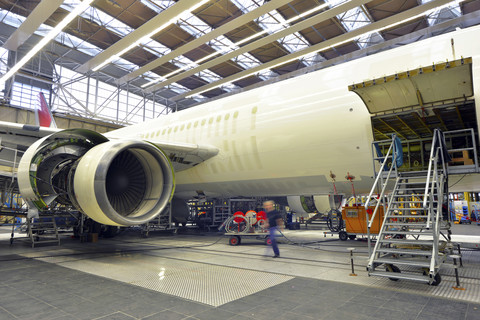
(413, 103)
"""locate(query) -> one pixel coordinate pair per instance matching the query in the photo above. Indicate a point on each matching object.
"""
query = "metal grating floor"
(204, 283)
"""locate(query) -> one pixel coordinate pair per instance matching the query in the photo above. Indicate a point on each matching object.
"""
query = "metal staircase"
(409, 244)
(42, 230)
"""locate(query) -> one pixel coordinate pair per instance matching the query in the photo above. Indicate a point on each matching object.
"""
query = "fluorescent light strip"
(42, 43)
(331, 46)
(147, 37)
(233, 46)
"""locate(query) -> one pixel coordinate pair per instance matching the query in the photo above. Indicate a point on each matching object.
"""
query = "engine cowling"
(114, 182)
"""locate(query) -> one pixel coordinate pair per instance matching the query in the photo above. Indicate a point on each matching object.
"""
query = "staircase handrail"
(377, 244)
(436, 229)
(392, 150)
(433, 156)
(433, 171)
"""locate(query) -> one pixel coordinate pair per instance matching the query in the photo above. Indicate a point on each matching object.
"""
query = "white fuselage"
(286, 138)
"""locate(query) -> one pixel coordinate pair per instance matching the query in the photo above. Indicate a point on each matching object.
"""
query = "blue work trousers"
(273, 234)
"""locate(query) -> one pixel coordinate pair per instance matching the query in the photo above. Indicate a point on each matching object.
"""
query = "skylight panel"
(158, 5)
(3, 64)
(354, 19)
(246, 5)
(273, 22)
(435, 16)
(100, 18)
(11, 19)
(177, 88)
(222, 44)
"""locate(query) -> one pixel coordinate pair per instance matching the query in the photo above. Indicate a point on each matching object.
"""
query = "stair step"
(403, 276)
(415, 252)
(407, 241)
(42, 226)
(414, 174)
(403, 195)
(406, 201)
(426, 232)
(411, 224)
(408, 209)
(410, 182)
(47, 241)
(408, 216)
(409, 262)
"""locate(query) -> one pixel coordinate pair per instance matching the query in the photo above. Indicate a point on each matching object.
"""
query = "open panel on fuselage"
(413, 103)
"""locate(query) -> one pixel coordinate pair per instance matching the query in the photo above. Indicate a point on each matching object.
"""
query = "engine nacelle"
(116, 182)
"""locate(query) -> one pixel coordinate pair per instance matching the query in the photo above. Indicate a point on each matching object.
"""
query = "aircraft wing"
(182, 155)
(22, 135)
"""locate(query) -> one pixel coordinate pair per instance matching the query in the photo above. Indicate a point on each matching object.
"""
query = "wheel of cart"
(237, 223)
(234, 240)
(392, 268)
(343, 235)
(268, 241)
(436, 279)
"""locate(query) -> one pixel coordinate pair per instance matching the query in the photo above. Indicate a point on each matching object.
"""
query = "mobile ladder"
(414, 239)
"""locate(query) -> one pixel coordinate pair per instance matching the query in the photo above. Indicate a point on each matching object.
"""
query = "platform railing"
(16, 158)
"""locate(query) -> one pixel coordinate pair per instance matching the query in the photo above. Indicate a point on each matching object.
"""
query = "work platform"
(200, 276)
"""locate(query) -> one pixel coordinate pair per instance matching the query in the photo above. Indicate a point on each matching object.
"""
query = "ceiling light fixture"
(43, 42)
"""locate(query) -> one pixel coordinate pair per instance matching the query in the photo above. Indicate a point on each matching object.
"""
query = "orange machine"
(355, 220)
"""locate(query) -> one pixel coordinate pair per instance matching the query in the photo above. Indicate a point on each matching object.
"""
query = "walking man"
(273, 223)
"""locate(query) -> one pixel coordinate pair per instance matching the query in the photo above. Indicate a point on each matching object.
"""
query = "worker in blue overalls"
(273, 223)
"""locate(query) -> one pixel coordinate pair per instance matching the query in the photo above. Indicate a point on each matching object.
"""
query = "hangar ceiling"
(180, 53)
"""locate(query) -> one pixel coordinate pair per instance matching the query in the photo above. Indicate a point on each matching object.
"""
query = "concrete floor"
(195, 275)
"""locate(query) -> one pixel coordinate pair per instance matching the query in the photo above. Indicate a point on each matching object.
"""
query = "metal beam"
(459, 116)
(223, 29)
(391, 128)
(147, 29)
(439, 117)
(381, 133)
(344, 38)
(42, 12)
(406, 125)
(422, 122)
(323, 16)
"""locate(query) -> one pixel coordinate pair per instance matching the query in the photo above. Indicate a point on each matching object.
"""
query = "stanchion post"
(460, 254)
(353, 274)
(455, 257)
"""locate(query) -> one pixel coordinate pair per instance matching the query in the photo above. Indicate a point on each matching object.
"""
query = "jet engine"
(114, 182)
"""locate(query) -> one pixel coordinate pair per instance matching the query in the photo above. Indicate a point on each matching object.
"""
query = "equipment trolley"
(249, 225)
